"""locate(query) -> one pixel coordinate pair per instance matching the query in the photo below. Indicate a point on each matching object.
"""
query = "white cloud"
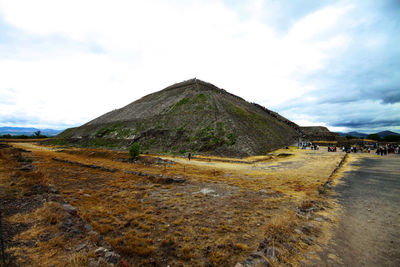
(147, 45)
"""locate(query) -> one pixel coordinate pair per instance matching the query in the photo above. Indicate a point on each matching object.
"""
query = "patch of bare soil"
(368, 232)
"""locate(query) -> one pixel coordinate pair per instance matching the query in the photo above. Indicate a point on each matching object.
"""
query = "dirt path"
(368, 233)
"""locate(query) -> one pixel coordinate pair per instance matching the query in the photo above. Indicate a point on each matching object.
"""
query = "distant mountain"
(382, 134)
(386, 133)
(27, 131)
(355, 134)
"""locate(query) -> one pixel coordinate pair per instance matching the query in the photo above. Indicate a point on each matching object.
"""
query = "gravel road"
(368, 233)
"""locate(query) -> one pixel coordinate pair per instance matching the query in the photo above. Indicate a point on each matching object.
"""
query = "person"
(189, 155)
(369, 150)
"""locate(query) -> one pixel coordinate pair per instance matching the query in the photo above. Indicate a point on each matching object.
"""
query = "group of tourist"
(388, 148)
(304, 145)
(380, 149)
(355, 149)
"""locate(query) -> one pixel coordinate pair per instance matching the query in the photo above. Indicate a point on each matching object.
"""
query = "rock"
(298, 231)
(256, 260)
(45, 237)
(55, 197)
(238, 264)
(67, 224)
(94, 234)
(318, 219)
(325, 218)
(308, 228)
(76, 230)
(38, 198)
(53, 189)
(80, 247)
(307, 240)
(27, 168)
(88, 227)
(112, 257)
(69, 208)
(271, 252)
(37, 189)
(100, 251)
(93, 263)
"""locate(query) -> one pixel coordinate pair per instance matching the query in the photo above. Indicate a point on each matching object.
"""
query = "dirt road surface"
(368, 233)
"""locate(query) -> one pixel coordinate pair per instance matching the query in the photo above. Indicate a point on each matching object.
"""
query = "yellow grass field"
(217, 217)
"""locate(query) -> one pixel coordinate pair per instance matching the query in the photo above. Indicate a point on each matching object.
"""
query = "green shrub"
(232, 137)
(374, 137)
(134, 150)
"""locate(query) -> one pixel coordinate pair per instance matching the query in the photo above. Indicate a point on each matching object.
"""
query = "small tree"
(374, 137)
(392, 138)
(38, 133)
(134, 150)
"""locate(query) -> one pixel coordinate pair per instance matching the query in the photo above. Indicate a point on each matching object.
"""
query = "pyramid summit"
(193, 116)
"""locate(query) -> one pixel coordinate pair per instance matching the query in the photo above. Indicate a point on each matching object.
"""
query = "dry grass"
(43, 242)
(79, 259)
(217, 217)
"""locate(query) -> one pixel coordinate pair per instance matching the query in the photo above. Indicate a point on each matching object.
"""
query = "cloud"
(71, 61)
(365, 124)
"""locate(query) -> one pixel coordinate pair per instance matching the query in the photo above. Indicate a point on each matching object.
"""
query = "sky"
(329, 63)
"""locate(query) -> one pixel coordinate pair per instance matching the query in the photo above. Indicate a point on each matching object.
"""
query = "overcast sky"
(331, 63)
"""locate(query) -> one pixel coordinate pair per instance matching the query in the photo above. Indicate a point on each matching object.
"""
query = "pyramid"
(191, 116)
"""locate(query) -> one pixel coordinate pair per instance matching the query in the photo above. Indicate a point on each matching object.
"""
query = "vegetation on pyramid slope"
(192, 116)
(319, 133)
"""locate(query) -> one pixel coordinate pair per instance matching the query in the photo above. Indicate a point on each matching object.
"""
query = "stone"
(53, 189)
(39, 198)
(27, 168)
(93, 263)
(55, 197)
(80, 247)
(69, 208)
(88, 227)
(76, 230)
(238, 264)
(308, 228)
(318, 219)
(94, 235)
(307, 240)
(256, 260)
(100, 251)
(271, 252)
(326, 218)
(112, 257)
(298, 231)
(66, 224)
(37, 189)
